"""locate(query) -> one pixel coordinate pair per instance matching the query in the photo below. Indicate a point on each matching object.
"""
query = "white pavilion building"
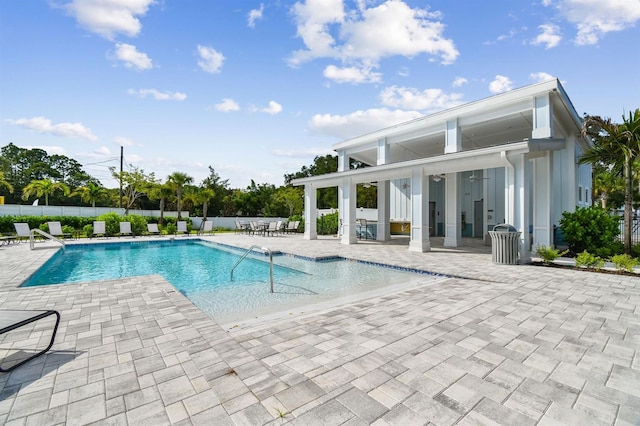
(510, 158)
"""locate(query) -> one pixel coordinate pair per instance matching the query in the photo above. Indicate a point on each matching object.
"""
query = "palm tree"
(90, 193)
(203, 196)
(44, 187)
(5, 183)
(605, 184)
(178, 180)
(161, 191)
(619, 146)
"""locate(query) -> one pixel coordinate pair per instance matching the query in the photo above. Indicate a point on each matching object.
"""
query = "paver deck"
(496, 344)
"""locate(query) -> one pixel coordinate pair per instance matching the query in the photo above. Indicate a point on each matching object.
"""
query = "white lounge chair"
(206, 227)
(99, 228)
(272, 228)
(55, 229)
(182, 227)
(125, 229)
(22, 230)
(152, 229)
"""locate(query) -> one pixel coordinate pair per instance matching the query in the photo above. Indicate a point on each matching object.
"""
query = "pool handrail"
(247, 253)
(45, 235)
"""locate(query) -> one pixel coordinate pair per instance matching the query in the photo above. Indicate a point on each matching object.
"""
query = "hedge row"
(112, 222)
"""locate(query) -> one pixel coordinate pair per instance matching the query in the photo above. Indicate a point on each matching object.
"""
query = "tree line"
(27, 174)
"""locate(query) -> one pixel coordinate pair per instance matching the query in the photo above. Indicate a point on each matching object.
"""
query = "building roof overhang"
(491, 121)
(482, 158)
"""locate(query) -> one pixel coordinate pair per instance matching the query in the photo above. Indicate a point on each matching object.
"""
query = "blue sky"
(258, 89)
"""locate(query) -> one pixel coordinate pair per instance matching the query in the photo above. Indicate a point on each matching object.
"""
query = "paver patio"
(512, 345)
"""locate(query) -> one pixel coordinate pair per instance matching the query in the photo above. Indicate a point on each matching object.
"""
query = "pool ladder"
(264, 249)
(32, 238)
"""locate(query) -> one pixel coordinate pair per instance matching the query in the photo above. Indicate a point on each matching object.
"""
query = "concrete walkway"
(496, 344)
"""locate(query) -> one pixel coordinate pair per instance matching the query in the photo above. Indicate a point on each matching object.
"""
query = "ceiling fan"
(437, 178)
(369, 184)
(475, 178)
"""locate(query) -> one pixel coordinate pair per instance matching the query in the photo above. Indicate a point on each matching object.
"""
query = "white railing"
(264, 249)
(46, 235)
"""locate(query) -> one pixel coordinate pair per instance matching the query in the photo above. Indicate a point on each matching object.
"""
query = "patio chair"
(182, 227)
(152, 229)
(13, 319)
(272, 228)
(99, 228)
(242, 227)
(22, 230)
(125, 229)
(292, 227)
(55, 229)
(206, 227)
(362, 230)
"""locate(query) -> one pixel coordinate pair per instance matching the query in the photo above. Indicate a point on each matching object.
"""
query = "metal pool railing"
(264, 249)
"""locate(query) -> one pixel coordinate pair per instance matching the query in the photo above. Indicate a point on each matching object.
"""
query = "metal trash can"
(504, 244)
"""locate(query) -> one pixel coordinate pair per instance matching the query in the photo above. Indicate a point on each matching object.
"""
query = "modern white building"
(510, 158)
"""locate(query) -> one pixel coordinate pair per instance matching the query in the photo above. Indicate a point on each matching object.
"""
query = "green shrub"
(138, 223)
(624, 262)
(88, 230)
(111, 222)
(549, 254)
(327, 224)
(171, 228)
(591, 229)
(589, 261)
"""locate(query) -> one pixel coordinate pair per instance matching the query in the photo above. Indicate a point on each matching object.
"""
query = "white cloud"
(366, 35)
(122, 141)
(273, 108)
(353, 75)
(109, 17)
(539, 77)
(500, 84)
(158, 95)
(428, 100)
(255, 15)
(302, 153)
(549, 36)
(595, 18)
(128, 54)
(210, 59)
(227, 105)
(51, 150)
(459, 82)
(64, 130)
(358, 122)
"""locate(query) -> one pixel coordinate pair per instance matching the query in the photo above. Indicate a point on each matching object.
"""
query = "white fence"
(28, 210)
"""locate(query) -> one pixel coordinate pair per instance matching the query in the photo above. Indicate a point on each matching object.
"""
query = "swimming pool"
(201, 271)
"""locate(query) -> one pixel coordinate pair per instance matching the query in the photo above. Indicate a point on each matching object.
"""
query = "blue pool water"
(201, 271)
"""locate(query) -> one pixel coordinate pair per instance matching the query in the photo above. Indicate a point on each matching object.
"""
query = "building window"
(579, 194)
(586, 195)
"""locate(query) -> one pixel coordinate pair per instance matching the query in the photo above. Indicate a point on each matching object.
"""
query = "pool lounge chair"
(13, 319)
(23, 232)
(99, 228)
(206, 227)
(125, 229)
(182, 227)
(152, 229)
(55, 229)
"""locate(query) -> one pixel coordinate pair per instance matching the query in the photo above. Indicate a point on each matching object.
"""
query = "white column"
(348, 195)
(522, 195)
(419, 211)
(542, 117)
(383, 231)
(452, 224)
(343, 161)
(509, 190)
(571, 175)
(453, 137)
(383, 152)
(542, 202)
(310, 206)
